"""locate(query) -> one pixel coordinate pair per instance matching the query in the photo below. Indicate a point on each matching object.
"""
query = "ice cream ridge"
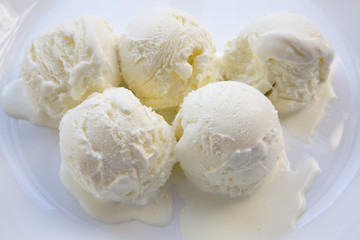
(281, 54)
(62, 67)
(116, 148)
(164, 54)
(230, 138)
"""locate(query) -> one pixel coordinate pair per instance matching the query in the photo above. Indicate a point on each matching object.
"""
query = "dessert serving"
(155, 106)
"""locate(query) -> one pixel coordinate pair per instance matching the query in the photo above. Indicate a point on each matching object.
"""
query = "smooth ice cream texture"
(164, 54)
(116, 148)
(67, 63)
(281, 54)
(230, 138)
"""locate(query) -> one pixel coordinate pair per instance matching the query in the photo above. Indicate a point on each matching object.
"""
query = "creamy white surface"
(229, 138)
(68, 62)
(158, 212)
(164, 54)
(16, 104)
(116, 148)
(283, 55)
(271, 212)
(303, 122)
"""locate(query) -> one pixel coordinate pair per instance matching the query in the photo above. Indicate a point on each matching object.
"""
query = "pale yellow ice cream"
(116, 148)
(164, 54)
(230, 138)
(283, 55)
(65, 64)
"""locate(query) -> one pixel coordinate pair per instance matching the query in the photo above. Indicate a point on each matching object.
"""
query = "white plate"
(35, 205)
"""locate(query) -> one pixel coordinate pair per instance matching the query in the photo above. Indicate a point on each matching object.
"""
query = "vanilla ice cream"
(164, 54)
(283, 55)
(116, 148)
(65, 64)
(230, 138)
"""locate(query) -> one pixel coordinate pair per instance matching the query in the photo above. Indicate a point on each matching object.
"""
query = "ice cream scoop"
(116, 148)
(283, 55)
(164, 54)
(229, 136)
(67, 63)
